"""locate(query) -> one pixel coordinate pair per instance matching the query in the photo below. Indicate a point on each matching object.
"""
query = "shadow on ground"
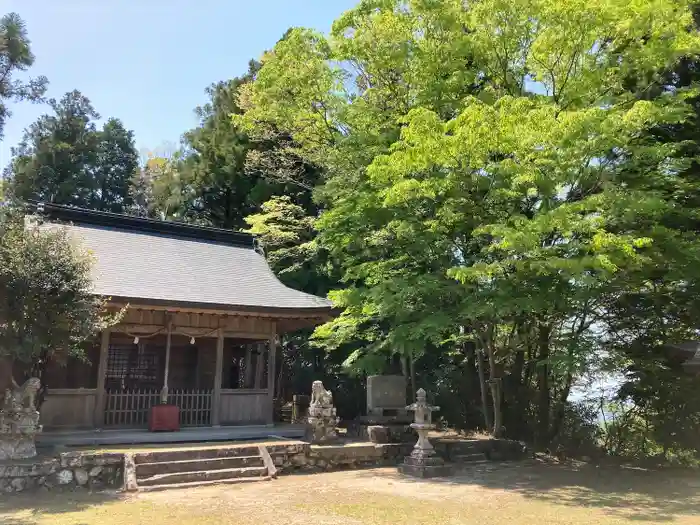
(629, 494)
(28, 508)
(632, 493)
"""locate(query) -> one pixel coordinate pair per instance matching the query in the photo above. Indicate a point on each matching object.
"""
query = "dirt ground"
(508, 493)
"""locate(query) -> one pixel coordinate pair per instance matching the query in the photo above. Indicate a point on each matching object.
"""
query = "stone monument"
(19, 421)
(387, 420)
(321, 418)
(386, 397)
(423, 462)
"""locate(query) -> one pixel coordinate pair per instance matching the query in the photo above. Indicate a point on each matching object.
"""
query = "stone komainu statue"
(16, 398)
(320, 396)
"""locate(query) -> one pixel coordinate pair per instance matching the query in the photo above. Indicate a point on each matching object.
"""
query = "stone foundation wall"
(319, 458)
(64, 472)
(493, 449)
(73, 470)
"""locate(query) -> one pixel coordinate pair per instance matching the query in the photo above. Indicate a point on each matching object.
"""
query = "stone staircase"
(476, 457)
(167, 469)
(468, 452)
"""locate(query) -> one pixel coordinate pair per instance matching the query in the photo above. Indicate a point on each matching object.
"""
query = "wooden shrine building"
(204, 312)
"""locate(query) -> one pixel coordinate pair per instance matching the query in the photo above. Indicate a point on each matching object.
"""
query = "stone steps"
(167, 456)
(144, 470)
(465, 448)
(477, 457)
(194, 467)
(193, 484)
(202, 475)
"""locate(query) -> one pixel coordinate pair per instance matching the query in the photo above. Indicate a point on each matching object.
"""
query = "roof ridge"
(76, 215)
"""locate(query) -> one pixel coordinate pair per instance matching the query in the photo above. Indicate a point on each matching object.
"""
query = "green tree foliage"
(229, 176)
(64, 158)
(485, 179)
(287, 235)
(660, 399)
(47, 308)
(162, 190)
(219, 176)
(16, 56)
(665, 399)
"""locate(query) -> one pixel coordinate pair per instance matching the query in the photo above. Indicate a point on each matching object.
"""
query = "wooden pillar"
(259, 364)
(272, 356)
(216, 401)
(248, 378)
(164, 391)
(99, 419)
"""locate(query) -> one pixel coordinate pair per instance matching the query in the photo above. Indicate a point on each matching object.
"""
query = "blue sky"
(148, 62)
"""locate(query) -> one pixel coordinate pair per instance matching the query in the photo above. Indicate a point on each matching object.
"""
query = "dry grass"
(512, 494)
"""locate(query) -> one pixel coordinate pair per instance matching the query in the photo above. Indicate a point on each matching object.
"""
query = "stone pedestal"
(18, 430)
(322, 418)
(382, 429)
(423, 462)
(322, 422)
(19, 421)
(429, 468)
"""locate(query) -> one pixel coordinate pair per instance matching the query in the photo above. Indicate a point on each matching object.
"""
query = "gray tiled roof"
(159, 267)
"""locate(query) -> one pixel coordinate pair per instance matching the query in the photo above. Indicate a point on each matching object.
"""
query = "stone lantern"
(423, 462)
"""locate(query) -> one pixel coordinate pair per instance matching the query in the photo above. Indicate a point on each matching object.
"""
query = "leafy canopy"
(64, 158)
(505, 175)
(47, 307)
(16, 56)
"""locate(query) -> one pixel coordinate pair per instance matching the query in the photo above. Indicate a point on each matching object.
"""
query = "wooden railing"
(195, 406)
(130, 408)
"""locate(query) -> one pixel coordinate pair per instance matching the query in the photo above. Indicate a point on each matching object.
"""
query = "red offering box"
(164, 418)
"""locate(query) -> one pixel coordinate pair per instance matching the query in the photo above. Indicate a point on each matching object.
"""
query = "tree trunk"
(516, 373)
(495, 386)
(405, 371)
(412, 367)
(544, 401)
(482, 385)
(561, 407)
(516, 398)
(38, 370)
